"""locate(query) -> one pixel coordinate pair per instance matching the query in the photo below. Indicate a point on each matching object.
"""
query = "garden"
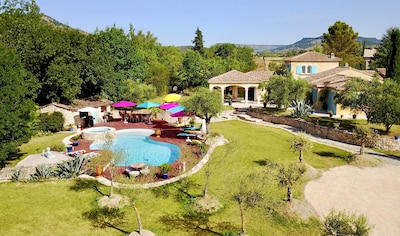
(55, 206)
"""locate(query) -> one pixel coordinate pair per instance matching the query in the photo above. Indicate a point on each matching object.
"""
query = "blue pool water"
(136, 146)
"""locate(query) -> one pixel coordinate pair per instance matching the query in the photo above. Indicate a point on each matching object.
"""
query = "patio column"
(246, 94)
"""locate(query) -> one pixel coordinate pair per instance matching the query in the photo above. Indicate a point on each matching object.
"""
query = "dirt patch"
(115, 201)
(206, 204)
(371, 191)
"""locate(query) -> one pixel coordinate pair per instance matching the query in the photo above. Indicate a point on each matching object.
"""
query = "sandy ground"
(372, 191)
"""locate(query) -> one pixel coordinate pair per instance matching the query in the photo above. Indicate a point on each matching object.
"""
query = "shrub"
(72, 168)
(343, 224)
(58, 148)
(18, 175)
(42, 172)
(164, 168)
(301, 109)
(52, 122)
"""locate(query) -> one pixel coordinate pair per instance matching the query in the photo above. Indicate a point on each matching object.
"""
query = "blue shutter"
(289, 67)
(314, 94)
(333, 103)
(314, 70)
(298, 70)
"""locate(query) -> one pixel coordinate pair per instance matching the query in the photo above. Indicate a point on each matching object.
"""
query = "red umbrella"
(124, 103)
(181, 114)
(168, 105)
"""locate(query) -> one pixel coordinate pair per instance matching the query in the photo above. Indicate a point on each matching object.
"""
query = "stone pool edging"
(215, 142)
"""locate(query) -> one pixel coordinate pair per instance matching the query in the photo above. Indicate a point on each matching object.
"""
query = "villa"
(322, 71)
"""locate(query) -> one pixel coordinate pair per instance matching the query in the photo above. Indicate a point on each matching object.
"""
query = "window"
(306, 69)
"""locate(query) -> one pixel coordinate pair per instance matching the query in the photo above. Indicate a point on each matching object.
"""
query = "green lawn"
(37, 144)
(59, 207)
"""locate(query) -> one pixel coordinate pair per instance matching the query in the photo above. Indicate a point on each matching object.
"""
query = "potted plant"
(191, 122)
(330, 113)
(98, 163)
(202, 148)
(71, 127)
(165, 168)
(230, 99)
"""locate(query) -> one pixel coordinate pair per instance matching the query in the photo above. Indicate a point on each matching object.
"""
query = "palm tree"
(300, 143)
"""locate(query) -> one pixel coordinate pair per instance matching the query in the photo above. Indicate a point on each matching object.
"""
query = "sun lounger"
(187, 135)
(194, 128)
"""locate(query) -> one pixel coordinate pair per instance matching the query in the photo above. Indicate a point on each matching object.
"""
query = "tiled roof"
(336, 77)
(313, 57)
(234, 76)
(81, 103)
(263, 75)
(369, 53)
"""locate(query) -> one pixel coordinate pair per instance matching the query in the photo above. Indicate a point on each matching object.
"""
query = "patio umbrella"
(176, 109)
(124, 103)
(168, 105)
(148, 104)
(181, 114)
(172, 97)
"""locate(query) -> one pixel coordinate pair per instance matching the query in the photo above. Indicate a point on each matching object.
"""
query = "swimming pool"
(138, 147)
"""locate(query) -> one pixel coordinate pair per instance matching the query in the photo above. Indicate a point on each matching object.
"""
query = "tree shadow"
(267, 163)
(107, 217)
(85, 184)
(196, 224)
(328, 154)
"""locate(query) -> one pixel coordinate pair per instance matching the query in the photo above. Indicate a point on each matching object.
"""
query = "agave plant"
(72, 168)
(42, 172)
(301, 108)
(18, 175)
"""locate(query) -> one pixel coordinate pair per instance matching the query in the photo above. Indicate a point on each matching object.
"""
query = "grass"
(37, 144)
(59, 207)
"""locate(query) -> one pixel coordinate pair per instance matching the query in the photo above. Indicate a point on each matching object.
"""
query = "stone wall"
(310, 128)
(68, 115)
(343, 136)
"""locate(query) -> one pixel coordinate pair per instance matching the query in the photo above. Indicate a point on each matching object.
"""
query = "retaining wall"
(343, 136)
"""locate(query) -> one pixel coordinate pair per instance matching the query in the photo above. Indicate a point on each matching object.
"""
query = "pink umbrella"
(181, 114)
(124, 103)
(168, 105)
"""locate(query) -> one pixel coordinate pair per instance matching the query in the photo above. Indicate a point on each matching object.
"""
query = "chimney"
(332, 55)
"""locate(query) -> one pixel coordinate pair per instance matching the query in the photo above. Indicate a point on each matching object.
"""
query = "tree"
(387, 107)
(388, 54)
(138, 91)
(288, 176)
(360, 95)
(300, 143)
(17, 111)
(198, 42)
(365, 133)
(377, 100)
(341, 40)
(205, 104)
(249, 194)
(283, 90)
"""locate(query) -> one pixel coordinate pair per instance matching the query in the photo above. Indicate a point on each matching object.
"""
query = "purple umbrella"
(124, 104)
(168, 105)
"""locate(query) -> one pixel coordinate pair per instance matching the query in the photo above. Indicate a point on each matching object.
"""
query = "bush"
(42, 172)
(52, 122)
(342, 224)
(57, 148)
(18, 175)
(72, 168)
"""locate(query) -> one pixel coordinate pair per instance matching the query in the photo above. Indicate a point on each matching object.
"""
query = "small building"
(80, 108)
(243, 87)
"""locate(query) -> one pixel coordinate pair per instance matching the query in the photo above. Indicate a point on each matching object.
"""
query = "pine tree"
(198, 42)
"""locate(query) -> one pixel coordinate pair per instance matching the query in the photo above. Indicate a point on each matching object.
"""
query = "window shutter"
(314, 70)
(314, 94)
(298, 70)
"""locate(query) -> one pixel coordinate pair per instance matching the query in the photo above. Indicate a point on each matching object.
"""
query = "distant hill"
(304, 44)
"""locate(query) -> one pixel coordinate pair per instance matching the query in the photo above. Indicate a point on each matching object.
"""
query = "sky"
(258, 22)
